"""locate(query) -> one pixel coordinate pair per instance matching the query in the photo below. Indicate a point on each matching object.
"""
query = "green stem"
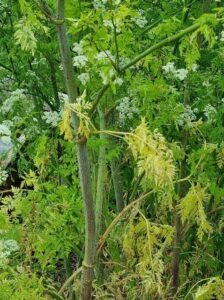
(54, 82)
(100, 177)
(117, 182)
(136, 186)
(116, 43)
(103, 238)
(181, 191)
(83, 163)
(118, 218)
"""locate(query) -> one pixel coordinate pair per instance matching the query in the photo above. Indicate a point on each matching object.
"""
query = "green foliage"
(20, 285)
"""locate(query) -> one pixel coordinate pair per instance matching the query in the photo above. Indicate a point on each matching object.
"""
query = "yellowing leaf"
(152, 155)
(80, 108)
(191, 209)
(25, 37)
(65, 124)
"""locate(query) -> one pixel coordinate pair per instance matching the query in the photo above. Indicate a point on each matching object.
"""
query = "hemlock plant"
(111, 149)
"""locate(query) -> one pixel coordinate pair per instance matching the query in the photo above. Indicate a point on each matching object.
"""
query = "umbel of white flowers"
(127, 108)
(180, 74)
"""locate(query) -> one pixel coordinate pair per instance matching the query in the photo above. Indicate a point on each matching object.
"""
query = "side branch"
(160, 45)
(48, 13)
(117, 219)
(134, 61)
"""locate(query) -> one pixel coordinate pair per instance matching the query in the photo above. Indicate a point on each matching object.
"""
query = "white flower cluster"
(7, 247)
(210, 112)
(17, 95)
(140, 21)
(127, 109)
(109, 24)
(100, 4)
(78, 48)
(80, 60)
(187, 117)
(124, 61)
(52, 118)
(3, 176)
(84, 78)
(104, 55)
(180, 74)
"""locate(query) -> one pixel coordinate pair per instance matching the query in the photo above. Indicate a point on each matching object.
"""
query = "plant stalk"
(83, 164)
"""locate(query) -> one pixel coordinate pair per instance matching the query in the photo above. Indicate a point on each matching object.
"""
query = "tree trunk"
(83, 164)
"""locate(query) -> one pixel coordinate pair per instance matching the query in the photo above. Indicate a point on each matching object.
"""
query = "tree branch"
(117, 219)
(135, 60)
(48, 13)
